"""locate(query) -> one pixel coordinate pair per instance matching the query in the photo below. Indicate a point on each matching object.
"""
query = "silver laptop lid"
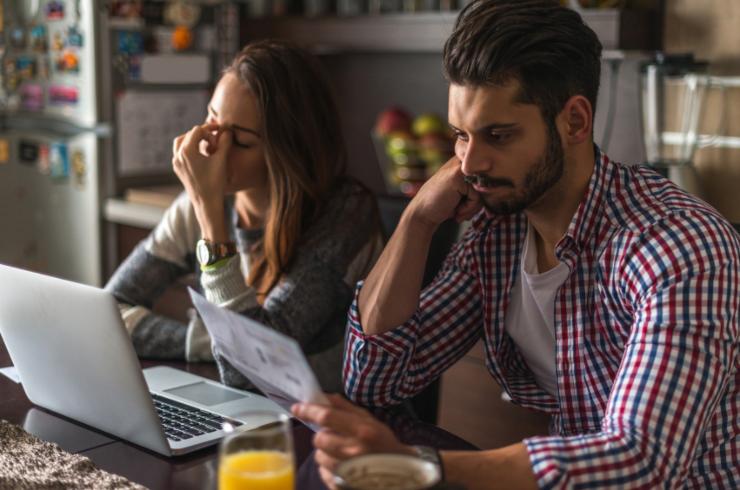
(74, 356)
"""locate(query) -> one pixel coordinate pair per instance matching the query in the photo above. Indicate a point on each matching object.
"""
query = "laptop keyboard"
(183, 422)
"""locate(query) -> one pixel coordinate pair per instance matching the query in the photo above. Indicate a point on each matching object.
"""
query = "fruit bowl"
(409, 151)
(403, 172)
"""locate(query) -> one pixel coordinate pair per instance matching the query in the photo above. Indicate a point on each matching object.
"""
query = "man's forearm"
(505, 468)
(390, 294)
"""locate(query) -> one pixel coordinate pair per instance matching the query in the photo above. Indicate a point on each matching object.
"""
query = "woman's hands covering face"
(199, 161)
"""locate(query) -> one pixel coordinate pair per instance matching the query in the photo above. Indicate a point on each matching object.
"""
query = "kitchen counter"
(124, 212)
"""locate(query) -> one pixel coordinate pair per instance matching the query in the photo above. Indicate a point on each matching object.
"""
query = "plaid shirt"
(646, 337)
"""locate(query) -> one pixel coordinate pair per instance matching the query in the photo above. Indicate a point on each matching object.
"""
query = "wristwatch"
(431, 455)
(208, 253)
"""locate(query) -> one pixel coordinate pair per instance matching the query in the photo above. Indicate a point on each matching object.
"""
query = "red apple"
(392, 119)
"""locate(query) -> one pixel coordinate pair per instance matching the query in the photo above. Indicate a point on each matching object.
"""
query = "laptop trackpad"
(205, 393)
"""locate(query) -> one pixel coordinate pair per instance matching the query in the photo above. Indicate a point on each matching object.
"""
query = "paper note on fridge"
(272, 361)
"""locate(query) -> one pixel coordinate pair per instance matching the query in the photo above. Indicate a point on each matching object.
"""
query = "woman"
(281, 233)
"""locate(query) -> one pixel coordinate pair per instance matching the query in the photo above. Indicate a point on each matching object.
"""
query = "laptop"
(74, 357)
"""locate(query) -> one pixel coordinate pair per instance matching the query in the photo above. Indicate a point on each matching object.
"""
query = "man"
(605, 296)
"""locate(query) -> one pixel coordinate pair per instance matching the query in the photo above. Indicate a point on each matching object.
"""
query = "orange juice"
(256, 470)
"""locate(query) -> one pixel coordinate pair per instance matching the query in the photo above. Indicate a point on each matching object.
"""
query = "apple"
(428, 123)
(392, 119)
(435, 148)
(399, 143)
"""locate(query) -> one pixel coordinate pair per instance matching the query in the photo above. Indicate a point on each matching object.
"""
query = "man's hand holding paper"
(272, 361)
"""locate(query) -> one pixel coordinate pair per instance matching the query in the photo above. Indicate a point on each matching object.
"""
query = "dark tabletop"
(196, 470)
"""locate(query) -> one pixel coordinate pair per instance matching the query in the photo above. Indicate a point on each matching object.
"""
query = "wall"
(709, 29)
(366, 83)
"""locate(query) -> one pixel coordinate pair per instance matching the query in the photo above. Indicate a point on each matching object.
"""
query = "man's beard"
(539, 179)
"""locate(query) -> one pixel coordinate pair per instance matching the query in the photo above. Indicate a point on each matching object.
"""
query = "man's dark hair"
(544, 46)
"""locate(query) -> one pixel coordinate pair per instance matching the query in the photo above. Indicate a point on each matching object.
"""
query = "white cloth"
(530, 317)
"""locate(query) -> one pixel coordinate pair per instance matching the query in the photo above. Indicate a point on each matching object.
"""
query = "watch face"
(202, 253)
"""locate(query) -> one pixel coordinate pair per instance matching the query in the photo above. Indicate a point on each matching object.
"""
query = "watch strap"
(223, 250)
(209, 253)
(430, 454)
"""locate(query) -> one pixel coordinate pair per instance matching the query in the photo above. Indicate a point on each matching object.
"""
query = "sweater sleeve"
(154, 265)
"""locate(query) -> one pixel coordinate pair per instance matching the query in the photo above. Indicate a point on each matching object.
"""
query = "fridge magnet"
(62, 94)
(58, 161)
(55, 10)
(25, 66)
(32, 97)
(68, 61)
(18, 38)
(28, 152)
(11, 74)
(44, 165)
(38, 39)
(4, 151)
(57, 41)
(74, 37)
(79, 168)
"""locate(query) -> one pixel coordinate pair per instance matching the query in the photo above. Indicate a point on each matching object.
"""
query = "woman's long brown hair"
(304, 148)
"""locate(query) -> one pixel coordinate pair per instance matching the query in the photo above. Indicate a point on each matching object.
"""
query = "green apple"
(400, 143)
(428, 123)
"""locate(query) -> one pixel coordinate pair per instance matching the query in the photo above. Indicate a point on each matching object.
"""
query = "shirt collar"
(585, 220)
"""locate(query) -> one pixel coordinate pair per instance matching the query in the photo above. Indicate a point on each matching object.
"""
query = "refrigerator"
(92, 92)
(54, 144)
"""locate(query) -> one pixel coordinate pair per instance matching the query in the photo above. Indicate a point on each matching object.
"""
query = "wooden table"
(193, 471)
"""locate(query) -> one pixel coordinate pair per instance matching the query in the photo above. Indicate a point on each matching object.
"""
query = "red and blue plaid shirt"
(646, 337)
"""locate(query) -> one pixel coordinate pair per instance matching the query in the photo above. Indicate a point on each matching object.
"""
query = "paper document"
(272, 361)
(11, 372)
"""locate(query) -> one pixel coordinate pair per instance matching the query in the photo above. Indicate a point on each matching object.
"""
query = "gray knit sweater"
(309, 303)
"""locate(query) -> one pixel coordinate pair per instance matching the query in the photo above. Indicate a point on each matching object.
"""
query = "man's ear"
(577, 120)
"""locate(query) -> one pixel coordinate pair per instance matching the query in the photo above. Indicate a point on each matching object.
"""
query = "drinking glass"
(258, 458)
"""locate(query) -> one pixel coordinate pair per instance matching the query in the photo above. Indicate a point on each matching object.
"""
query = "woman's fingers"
(203, 132)
(176, 144)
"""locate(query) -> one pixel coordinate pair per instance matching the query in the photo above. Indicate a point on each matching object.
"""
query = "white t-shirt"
(530, 317)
